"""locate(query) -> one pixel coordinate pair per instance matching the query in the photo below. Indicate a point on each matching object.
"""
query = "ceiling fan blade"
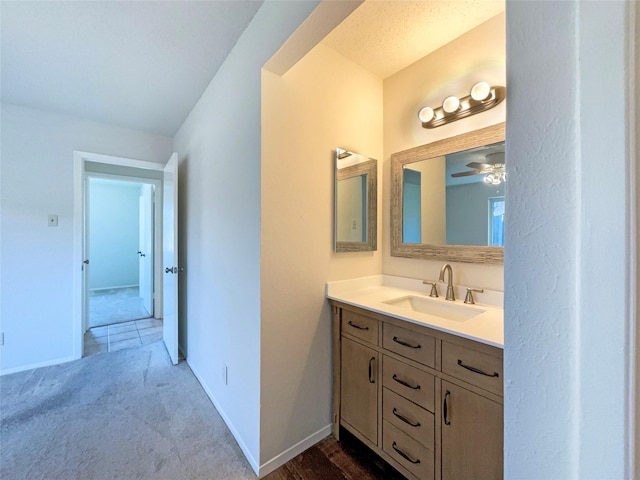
(478, 165)
(466, 174)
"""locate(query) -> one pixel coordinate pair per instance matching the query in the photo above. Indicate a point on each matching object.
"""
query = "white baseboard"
(31, 366)
(294, 451)
(278, 460)
(117, 287)
(252, 461)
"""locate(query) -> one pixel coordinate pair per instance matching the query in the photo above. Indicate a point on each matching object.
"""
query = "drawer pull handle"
(371, 379)
(405, 344)
(402, 382)
(404, 455)
(357, 326)
(445, 410)
(405, 419)
(477, 370)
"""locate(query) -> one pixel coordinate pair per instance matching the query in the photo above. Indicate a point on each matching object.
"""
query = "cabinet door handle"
(357, 326)
(477, 370)
(405, 419)
(402, 382)
(371, 379)
(405, 344)
(445, 410)
(404, 455)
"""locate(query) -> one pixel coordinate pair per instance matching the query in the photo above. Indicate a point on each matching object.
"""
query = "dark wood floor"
(347, 459)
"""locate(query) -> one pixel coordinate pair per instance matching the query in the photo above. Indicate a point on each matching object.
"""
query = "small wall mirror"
(447, 199)
(356, 194)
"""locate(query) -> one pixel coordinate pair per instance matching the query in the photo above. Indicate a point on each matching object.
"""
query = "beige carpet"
(115, 305)
(129, 414)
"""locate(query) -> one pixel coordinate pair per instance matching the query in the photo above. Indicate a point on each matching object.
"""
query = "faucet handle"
(468, 299)
(434, 289)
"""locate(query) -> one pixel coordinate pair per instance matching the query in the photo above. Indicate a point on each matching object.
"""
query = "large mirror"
(447, 199)
(356, 194)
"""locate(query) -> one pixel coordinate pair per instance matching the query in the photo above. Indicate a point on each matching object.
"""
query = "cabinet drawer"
(410, 344)
(409, 382)
(413, 420)
(413, 456)
(359, 326)
(477, 368)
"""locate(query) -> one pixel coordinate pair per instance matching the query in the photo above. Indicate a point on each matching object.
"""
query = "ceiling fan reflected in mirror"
(494, 170)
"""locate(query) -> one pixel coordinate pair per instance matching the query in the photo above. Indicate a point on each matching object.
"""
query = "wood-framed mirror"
(478, 160)
(356, 202)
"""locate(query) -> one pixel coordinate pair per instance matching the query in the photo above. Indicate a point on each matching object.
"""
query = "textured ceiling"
(137, 64)
(387, 36)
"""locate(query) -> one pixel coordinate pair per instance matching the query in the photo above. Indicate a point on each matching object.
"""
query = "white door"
(85, 257)
(170, 257)
(145, 247)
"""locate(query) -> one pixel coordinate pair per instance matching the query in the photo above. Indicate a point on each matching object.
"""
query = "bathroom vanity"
(419, 380)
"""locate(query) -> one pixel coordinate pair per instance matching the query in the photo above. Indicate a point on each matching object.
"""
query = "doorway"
(123, 273)
(120, 250)
(119, 259)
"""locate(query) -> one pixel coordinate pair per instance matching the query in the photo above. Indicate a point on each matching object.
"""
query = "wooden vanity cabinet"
(359, 396)
(427, 402)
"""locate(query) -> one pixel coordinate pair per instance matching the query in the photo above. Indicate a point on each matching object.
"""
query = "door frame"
(79, 173)
(157, 235)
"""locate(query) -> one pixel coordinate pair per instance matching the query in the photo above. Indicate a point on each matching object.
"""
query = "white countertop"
(370, 293)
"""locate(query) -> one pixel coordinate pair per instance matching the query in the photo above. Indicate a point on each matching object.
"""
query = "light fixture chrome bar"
(469, 105)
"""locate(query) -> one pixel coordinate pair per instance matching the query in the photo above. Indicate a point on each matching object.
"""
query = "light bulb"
(480, 91)
(426, 114)
(451, 104)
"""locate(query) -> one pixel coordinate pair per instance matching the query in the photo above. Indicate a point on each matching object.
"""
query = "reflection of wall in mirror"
(432, 209)
(351, 212)
(468, 212)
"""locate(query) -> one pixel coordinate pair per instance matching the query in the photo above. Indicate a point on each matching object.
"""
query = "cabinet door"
(359, 388)
(472, 436)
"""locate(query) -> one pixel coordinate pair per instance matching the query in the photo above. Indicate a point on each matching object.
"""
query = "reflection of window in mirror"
(496, 222)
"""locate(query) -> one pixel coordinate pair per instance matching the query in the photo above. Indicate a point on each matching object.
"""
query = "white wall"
(37, 261)
(324, 101)
(451, 70)
(114, 232)
(567, 329)
(219, 146)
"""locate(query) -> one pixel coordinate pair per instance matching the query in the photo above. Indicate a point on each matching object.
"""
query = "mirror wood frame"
(370, 169)
(449, 253)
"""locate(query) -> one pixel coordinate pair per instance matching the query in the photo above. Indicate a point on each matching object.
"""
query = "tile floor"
(122, 335)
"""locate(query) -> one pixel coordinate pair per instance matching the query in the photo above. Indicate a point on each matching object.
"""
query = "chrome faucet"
(450, 295)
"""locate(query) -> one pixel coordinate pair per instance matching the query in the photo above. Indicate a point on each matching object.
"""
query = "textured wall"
(567, 322)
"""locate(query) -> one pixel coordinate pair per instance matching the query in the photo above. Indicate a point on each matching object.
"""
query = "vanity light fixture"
(481, 98)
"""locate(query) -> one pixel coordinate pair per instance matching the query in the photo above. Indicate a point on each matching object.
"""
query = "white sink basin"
(437, 308)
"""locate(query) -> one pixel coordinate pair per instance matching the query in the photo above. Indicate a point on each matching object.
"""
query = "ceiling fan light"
(426, 114)
(493, 179)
